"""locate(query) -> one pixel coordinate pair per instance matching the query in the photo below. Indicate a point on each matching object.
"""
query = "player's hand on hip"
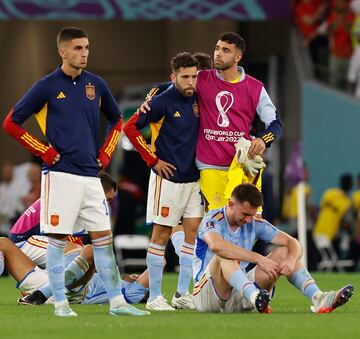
(145, 107)
(99, 163)
(56, 159)
(51, 156)
(164, 169)
(257, 147)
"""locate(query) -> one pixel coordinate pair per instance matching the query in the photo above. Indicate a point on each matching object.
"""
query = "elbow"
(214, 247)
(299, 246)
(126, 129)
(8, 123)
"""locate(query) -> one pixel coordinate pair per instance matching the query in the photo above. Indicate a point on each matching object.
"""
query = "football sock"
(2, 264)
(155, 264)
(106, 267)
(76, 270)
(177, 240)
(303, 281)
(55, 268)
(185, 274)
(242, 284)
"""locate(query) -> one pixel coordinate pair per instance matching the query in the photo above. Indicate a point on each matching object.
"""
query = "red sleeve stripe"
(33, 143)
(112, 144)
(142, 142)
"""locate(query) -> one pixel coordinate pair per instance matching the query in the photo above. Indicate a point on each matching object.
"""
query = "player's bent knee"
(4, 242)
(280, 253)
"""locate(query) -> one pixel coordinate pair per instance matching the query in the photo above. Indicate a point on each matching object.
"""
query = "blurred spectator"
(14, 185)
(355, 243)
(353, 75)
(355, 7)
(308, 16)
(132, 193)
(293, 205)
(34, 176)
(6, 206)
(270, 208)
(339, 25)
(336, 216)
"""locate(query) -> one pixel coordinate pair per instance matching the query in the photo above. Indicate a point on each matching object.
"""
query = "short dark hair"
(346, 182)
(107, 181)
(249, 193)
(70, 33)
(183, 59)
(204, 60)
(234, 38)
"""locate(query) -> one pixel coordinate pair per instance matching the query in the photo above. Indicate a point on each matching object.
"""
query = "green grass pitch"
(291, 318)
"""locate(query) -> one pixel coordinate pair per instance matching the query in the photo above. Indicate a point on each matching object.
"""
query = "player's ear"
(61, 52)
(231, 202)
(238, 57)
(173, 77)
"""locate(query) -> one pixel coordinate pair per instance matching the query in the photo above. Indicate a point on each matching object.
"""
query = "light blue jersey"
(244, 236)
(132, 292)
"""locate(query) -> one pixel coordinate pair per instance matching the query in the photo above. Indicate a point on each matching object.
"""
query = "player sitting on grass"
(223, 250)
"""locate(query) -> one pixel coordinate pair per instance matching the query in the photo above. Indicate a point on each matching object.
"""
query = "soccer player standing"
(67, 104)
(173, 186)
(229, 100)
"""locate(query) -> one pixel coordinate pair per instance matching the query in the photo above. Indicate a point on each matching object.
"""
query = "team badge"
(90, 91)
(210, 225)
(196, 109)
(165, 211)
(54, 219)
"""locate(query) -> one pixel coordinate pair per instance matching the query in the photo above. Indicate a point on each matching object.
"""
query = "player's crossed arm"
(228, 250)
(286, 267)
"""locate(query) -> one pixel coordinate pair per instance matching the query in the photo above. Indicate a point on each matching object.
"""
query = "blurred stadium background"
(131, 44)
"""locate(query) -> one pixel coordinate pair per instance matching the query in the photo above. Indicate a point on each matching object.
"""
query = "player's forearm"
(294, 249)
(272, 132)
(138, 141)
(228, 250)
(27, 140)
(107, 150)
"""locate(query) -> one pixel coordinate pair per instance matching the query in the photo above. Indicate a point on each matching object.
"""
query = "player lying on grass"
(223, 250)
(26, 234)
(83, 285)
(134, 287)
(30, 277)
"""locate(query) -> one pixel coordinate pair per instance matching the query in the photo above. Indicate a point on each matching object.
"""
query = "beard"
(224, 65)
(186, 92)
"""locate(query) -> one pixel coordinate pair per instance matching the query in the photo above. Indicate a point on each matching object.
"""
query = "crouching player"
(223, 250)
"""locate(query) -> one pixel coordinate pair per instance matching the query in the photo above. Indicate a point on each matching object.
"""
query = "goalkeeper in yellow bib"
(229, 102)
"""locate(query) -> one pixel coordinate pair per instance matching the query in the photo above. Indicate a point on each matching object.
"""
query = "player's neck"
(230, 74)
(71, 71)
(230, 219)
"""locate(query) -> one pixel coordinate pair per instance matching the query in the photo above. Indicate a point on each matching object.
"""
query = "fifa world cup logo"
(224, 100)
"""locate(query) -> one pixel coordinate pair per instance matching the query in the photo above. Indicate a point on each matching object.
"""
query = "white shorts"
(206, 299)
(35, 249)
(168, 202)
(71, 203)
(34, 280)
